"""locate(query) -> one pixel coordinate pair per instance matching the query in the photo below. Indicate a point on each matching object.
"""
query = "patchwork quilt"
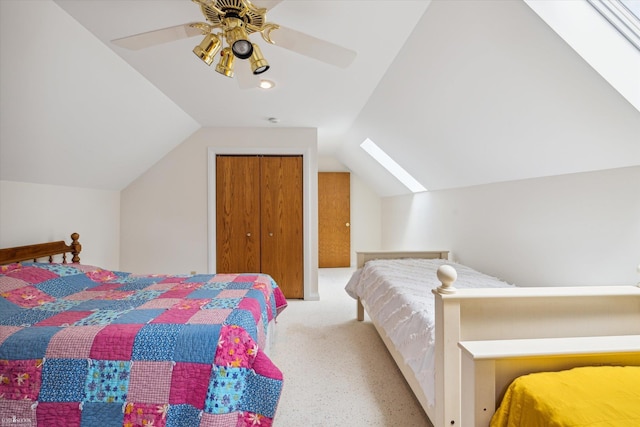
(83, 346)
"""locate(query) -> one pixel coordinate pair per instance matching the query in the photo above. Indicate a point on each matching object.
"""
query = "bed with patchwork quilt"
(84, 346)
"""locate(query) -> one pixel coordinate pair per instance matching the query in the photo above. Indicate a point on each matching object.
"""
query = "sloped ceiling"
(459, 92)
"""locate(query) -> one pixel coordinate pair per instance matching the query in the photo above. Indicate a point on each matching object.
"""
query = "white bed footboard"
(533, 313)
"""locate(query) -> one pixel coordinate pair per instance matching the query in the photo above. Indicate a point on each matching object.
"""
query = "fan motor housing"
(253, 18)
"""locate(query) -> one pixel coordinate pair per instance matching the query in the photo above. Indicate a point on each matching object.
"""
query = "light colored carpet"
(337, 371)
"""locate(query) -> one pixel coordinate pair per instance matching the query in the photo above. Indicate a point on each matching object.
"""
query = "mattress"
(580, 397)
(398, 297)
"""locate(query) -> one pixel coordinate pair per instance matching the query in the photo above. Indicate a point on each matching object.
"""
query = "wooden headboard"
(42, 250)
(364, 256)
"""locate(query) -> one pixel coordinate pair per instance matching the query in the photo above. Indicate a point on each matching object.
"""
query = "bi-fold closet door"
(259, 218)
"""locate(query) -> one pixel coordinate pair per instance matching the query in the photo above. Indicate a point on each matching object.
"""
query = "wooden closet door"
(282, 237)
(238, 214)
(334, 212)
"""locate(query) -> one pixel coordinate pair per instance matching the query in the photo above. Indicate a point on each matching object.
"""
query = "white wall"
(166, 211)
(37, 213)
(578, 229)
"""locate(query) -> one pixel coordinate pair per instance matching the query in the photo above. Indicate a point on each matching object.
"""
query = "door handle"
(347, 224)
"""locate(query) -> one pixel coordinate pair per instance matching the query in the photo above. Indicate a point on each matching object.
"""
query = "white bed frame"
(470, 321)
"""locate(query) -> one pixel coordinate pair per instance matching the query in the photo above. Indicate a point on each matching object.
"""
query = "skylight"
(624, 15)
(394, 168)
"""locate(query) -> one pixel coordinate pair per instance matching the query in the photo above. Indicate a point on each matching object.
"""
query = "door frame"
(309, 202)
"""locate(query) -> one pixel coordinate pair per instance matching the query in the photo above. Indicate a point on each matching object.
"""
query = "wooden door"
(282, 223)
(334, 212)
(237, 214)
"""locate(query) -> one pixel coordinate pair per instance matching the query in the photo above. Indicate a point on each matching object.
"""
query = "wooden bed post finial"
(447, 275)
(77, 247)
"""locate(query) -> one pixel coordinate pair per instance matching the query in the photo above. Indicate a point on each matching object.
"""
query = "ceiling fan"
(231, 22)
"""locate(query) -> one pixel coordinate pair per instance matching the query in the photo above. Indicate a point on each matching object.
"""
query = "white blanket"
(398, 297)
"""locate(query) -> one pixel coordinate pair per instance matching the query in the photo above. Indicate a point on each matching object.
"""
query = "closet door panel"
(238, 214)
(282, 238)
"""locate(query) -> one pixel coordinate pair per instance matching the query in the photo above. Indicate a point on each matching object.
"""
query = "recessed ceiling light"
(266, 84)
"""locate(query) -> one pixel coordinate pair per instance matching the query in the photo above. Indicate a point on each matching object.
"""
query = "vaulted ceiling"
(459, 93)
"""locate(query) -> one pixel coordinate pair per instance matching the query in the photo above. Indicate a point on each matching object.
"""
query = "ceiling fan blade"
(245, 77)
(312, 47)
(267, 4)
(164, 35)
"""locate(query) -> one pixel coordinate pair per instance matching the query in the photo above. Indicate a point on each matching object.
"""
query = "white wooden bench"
(489, 366)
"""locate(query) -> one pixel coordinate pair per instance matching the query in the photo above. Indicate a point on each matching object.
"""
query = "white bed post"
(447, 319)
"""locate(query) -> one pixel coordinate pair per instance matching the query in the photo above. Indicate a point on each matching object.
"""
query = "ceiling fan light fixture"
(238, 39)
(225, 65)
(258, 64)
(208, 48)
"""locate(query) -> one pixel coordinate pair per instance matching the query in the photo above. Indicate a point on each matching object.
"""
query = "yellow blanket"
(580, 397)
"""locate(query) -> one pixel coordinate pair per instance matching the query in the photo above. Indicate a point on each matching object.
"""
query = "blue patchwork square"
(138, 283)
(63, 380)
(156, 342)
(215, 285)
(100, 317)
(197, 343)
(28, 343)
(23, 316)
(81, 281)
(182, 415)
(225, 390)
(244, 319)
(264, 396)
(139, 317)
(199, 278)
(96, 414)
(107, 381)
(203, 293)
(60, 287)
(223, 303)
(240, 285)
(57, 306)
(115, 305)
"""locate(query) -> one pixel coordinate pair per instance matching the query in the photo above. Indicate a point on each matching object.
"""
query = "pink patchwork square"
(150, 382)
(173, 280)
(246, 278)
(160, 303)
(65, 318)
(85, 295)
(18, 410)
(137, 414)
(178, 291)
(59, 414)
(223, 278)
(28, 297)
(219, 420)
(73, 342)
(162, 286)
(10, 283)
(117, 295)
(4, 269)
(232, 293)
(176, 316)
(20, 379)
(251, 305)
(32, 275)
(249, 419)
(115, 342)
(106, 287)
(184, 389)
(210, 316)
(7, 331)
(101, 275)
